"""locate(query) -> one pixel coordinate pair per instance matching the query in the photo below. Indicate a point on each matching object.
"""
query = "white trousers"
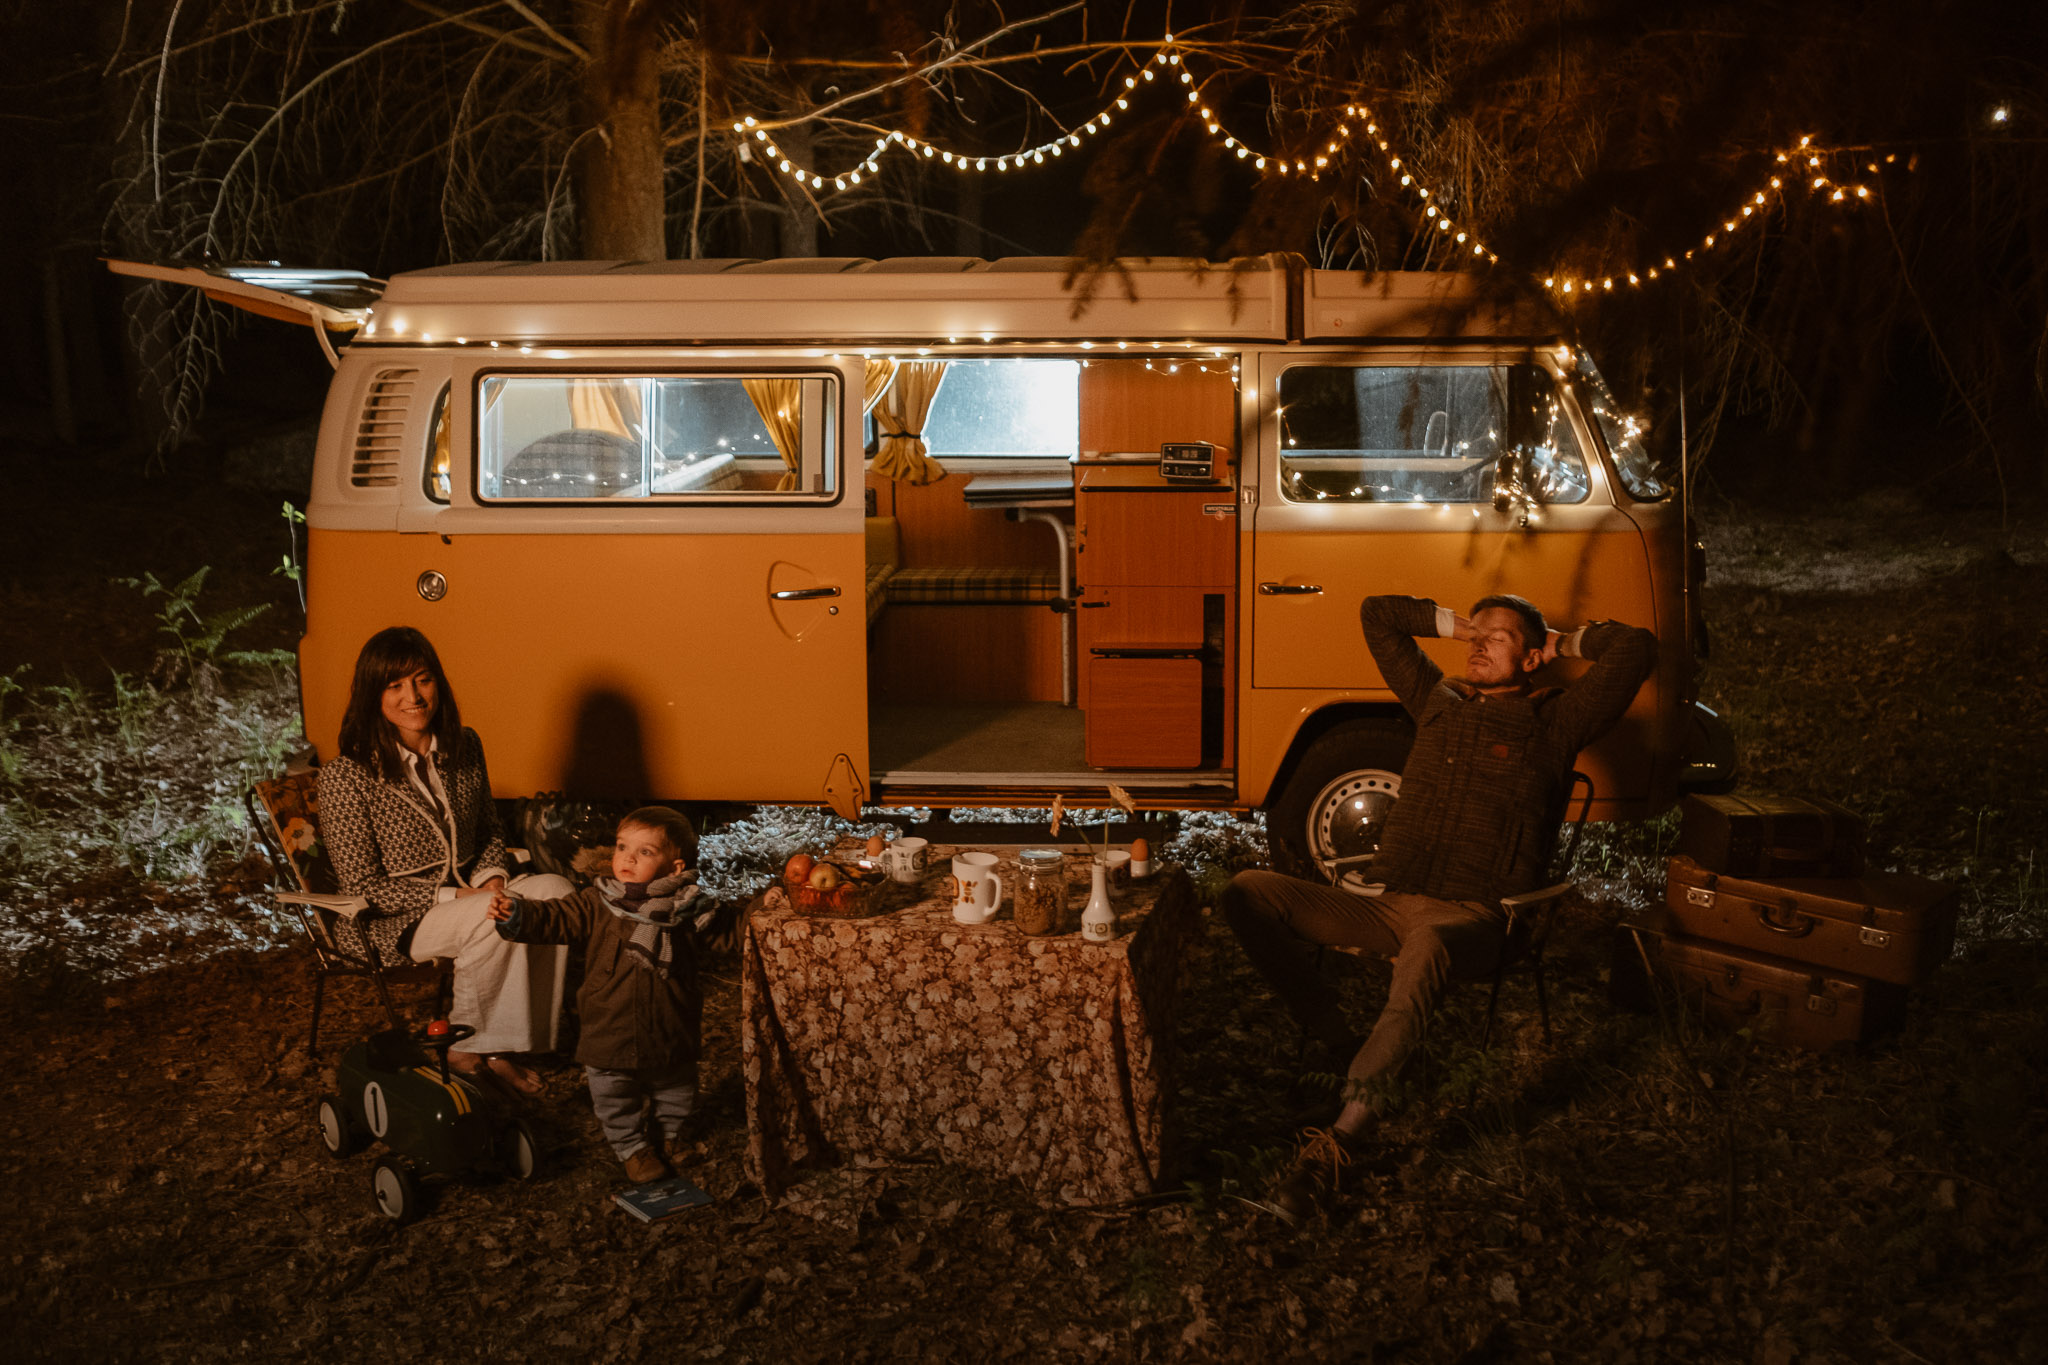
(510, 993)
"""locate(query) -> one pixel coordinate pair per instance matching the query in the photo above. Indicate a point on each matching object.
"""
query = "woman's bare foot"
(502, 1070)
(522, 1079)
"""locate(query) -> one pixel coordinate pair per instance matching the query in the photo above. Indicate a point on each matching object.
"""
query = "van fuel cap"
(432, 586)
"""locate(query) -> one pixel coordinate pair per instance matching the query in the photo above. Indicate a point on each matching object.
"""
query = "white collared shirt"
(426, 779)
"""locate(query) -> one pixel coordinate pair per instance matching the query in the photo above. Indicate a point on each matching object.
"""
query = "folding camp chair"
(285, 813)
(1529, 914)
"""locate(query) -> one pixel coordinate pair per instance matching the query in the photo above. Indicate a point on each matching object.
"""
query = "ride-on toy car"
(430, 1120)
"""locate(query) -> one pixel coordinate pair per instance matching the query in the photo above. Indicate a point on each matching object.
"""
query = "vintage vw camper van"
(954, 532)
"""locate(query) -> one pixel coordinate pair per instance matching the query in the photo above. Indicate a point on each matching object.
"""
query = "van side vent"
(381, 430)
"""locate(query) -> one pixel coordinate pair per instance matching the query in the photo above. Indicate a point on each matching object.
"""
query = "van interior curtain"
(781, 405)
(881, 369)
(611, 405)
(900, 414)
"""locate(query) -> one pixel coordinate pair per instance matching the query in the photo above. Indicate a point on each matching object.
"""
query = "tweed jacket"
(1486, 782)
(388, 845)
(633, 1019)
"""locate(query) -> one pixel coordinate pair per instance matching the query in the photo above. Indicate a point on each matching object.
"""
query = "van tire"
(1354, 760)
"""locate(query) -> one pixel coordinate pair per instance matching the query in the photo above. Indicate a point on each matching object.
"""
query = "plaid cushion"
(878, 588)
(974, 585)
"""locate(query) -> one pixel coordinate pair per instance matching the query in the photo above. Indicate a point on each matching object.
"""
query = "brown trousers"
(1283, 921)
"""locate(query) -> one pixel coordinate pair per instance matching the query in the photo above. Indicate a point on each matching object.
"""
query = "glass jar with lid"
(1040, 899)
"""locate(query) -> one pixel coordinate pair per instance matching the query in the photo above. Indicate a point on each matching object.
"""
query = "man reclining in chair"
(1482, 795)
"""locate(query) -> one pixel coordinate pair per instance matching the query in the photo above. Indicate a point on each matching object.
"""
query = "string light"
(1166, 61)
(1812, 164)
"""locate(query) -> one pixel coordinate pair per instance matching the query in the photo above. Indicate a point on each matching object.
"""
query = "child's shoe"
(646, 1166)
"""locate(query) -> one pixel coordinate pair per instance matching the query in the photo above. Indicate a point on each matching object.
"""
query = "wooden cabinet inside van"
(1156, 561)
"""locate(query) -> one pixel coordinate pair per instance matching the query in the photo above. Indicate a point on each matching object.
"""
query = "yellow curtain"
(900, 415)
(781, 405)
(605, 405)
(879, 373)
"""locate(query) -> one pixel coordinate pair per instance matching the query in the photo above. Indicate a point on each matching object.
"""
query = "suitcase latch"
(1698, 895)
(1874, 938)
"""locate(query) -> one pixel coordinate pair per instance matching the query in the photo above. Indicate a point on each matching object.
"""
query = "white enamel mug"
(904, 859)
(980, 889)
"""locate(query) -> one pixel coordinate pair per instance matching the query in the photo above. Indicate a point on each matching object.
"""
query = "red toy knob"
(438, 1029)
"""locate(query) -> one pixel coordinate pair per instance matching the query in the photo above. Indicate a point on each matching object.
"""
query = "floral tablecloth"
(909, 1035)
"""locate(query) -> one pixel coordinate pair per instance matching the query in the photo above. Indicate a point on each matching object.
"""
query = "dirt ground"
(1632, 1190)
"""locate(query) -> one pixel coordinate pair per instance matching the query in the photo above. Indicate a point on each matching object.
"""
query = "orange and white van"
(952, 532)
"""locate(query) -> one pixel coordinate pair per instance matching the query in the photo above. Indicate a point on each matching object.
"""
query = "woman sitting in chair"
(406, 812)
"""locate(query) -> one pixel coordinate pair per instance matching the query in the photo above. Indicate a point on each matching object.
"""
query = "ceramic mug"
(1117, 863)
(980, 889)
(904, 859)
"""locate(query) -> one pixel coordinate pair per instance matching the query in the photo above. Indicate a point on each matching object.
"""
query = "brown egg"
(1141, 852)
(876, 843)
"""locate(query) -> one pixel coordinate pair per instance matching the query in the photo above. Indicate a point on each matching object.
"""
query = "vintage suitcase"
(1755, 835)
(1779, 1001)
(1889, 926)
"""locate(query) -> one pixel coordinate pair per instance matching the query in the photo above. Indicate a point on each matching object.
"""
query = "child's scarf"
(656, 910)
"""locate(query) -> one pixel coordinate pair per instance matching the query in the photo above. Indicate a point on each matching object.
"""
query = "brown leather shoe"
(1310, 1184)
(646, 1166)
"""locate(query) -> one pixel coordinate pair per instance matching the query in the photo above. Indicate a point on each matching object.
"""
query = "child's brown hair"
(672, 825)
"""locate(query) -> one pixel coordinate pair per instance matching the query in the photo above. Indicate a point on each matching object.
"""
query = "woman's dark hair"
(368, 738)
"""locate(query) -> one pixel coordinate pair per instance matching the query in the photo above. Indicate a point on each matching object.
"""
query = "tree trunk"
(619, 192)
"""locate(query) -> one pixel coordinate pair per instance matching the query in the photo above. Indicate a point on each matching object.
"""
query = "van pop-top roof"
(912, 300)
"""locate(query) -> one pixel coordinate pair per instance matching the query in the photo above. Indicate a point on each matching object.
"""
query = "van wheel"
(1336, 802)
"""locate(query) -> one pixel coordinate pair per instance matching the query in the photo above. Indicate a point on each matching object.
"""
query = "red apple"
(798, 869)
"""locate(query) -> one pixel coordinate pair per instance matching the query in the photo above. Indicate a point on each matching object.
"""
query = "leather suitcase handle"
(1793, 924)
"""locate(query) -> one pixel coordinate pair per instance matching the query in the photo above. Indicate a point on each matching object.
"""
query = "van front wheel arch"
(1338, 797)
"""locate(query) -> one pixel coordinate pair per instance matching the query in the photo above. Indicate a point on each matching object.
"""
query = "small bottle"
(1098, 921)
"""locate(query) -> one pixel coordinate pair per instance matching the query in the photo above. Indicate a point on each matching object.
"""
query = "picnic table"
(910, 1036)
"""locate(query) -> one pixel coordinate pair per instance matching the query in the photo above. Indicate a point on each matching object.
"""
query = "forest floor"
(1633, 1190)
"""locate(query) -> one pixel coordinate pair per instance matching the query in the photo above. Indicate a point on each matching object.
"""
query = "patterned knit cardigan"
(387, 845)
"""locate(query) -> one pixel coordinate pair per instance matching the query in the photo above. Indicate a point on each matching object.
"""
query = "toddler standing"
(641, 1007)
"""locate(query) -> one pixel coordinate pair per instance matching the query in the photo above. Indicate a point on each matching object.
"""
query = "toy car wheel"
(396, 1191)
(520, 1150)
(338, 1133)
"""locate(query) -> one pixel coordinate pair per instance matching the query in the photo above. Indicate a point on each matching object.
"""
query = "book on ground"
(661, 1199)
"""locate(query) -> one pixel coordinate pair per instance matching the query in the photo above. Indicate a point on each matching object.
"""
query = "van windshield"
(1427, 434)
(1623, 433)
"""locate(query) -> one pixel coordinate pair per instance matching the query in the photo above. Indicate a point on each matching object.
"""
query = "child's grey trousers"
(621, 1099)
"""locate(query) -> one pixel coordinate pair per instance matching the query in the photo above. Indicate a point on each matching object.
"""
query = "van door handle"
(803, 594)
(1289, 589)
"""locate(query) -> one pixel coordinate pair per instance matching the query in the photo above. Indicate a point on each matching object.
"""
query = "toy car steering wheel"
(442, 1035)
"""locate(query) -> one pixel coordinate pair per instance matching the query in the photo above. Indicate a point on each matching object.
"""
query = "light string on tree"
(961, 161)
(1804, 166)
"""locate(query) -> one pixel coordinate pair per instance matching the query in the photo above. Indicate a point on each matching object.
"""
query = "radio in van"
(1187, 462)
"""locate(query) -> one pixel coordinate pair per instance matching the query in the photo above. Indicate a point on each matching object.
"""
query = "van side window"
(1019, 408)
(437, 450)
(1425, 434)
(656, 438)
